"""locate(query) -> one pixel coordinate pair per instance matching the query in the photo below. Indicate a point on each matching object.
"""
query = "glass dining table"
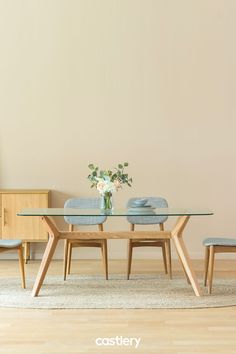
(48, 218)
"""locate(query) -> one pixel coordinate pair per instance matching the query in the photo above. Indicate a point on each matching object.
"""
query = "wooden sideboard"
(18, 227)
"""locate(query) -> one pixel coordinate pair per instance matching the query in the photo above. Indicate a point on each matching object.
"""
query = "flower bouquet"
(108, 182)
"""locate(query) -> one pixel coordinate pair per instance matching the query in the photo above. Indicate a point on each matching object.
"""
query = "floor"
(75, 331)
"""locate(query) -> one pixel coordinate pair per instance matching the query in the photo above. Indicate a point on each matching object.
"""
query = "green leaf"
(94, 173)
(126, 164)
(91, 166)
(120, 166)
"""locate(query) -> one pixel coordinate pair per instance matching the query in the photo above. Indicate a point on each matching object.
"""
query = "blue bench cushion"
(10, 243)
(219, 241)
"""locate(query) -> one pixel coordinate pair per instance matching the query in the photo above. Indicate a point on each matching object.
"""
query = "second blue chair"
(157, 202)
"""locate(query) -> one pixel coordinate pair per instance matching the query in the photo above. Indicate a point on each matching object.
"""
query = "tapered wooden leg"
(211, 268)
(104, 258)
(187, 264)
(69, 257)
(65, 258)
(22, 268)
(186, 275)
(164, 257)
(47, 257)
(206, 264)
(130, 252)
(168, 257)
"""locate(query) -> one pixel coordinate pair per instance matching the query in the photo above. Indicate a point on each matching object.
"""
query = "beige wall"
(150, 82)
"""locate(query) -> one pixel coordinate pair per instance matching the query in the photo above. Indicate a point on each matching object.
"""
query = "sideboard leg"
(26, 251)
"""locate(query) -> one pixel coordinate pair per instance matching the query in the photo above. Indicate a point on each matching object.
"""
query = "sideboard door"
(21, 227)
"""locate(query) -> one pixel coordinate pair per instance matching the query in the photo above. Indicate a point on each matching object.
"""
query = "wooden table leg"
(183, 254)
(186, 275)
(47, 257)
(48, 254)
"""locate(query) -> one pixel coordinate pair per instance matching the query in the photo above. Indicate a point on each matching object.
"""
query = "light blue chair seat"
(10, 243)
(215, 245)
(219, 241)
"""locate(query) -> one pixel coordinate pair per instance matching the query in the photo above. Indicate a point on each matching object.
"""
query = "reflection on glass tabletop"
(116, 212)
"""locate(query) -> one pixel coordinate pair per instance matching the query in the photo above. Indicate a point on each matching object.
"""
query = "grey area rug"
(93, 292)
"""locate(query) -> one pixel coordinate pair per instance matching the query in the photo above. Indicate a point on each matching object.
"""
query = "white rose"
(101, 186)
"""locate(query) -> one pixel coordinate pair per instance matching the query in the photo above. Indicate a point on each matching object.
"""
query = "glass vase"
(106, 201)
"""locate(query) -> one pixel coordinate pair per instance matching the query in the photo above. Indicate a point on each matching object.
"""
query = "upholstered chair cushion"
(219, 241)
(10, 243)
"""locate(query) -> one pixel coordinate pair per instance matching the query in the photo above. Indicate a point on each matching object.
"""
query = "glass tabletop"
(115, 212)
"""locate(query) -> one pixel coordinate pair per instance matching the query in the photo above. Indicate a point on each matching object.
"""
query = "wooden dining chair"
(9, 245)
(75, 222)
(215, 245)
(164, 244)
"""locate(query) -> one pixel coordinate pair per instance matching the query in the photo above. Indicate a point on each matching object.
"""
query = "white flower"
(105, 185)
(101, 186)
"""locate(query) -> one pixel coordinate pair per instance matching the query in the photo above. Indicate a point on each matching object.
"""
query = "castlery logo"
(118, 341)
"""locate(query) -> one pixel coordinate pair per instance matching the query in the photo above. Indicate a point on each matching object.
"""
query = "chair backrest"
(157, 202)
(84, 203)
